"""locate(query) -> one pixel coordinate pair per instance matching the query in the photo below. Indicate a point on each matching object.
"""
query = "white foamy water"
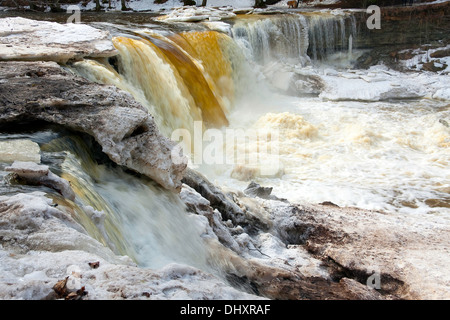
(382, 155)
(133, 215)
(376, 139)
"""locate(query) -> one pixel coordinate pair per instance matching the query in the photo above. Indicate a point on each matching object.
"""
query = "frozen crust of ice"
(40, 174)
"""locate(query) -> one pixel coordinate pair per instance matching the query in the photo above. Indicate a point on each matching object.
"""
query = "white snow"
(190, 14)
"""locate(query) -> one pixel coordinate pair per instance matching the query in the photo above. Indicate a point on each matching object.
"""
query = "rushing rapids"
(221, 79)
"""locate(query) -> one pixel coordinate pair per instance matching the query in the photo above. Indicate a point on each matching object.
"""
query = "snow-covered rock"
(195, 14)
(41, 244)
(407, 254)
(33, 173)
(26, 39)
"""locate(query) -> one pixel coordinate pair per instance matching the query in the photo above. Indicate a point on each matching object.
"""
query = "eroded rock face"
(258, 262)
(43, 91)
(25, 39)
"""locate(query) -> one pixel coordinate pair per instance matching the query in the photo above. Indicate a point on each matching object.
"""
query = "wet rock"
(279, 284)
(34, 174)
(60, 288)
(431, 66)
(121, 126)
(441, 53)
(256, 190)
(94, 265)
(227, 204)
(199, 205)
(217, 199)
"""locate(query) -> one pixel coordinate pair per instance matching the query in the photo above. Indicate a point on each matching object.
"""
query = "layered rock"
(43, 91)
(402, 27)
(258, 262)
(34, 174)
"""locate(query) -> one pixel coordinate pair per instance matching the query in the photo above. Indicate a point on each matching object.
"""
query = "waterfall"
(329, 34)
(198, 75)
(180, 78)
(296, 38)
(273, 38)
(130, 214)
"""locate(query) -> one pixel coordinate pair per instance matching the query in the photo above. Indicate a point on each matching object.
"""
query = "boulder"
(256, 190)
(43, 91)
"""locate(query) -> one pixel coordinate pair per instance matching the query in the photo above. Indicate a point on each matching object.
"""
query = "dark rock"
(255, 190)
(440, 53)
(224, 203)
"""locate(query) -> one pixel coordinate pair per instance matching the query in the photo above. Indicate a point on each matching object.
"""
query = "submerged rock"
(43, 91)
(256, 190)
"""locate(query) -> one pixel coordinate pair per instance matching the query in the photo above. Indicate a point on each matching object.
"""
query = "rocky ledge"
(324, 251)
(25, 39)
(44, 91)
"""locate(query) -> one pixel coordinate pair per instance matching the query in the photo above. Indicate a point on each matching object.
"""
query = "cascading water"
(295, 38)
(326, 147)
(131, 214)
(180, 78)
(329, 34)
(278, 38)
